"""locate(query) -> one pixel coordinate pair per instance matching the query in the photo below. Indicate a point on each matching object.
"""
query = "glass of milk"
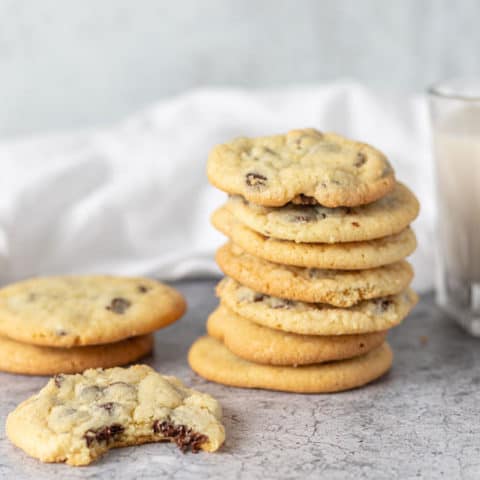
(455, 114)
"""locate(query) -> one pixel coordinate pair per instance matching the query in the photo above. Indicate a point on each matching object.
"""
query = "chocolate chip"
(61, 333)
(360, 160)
(255, 180)
(384, 304)
(258, 297)
(143, 289)
(109, 406)
(270, 151)
(104, 434)
(184, 437)
(119, 305)
(58, 379)
(355, 224)
(282, 303)
(313, 272)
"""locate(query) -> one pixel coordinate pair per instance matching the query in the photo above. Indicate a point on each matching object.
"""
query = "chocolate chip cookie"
(304, 166)
(343, 256)
(212, 360)
(315, 318)
(77, 418)
(259, 344)
(71, 311)
(18, 357)
(315, 224)
(341, 288)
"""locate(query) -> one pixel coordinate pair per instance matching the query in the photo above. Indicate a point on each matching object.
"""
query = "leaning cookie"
(302, 165)
(341, 288)
(68, 311)
(259, 344)
(316, 224)
(22, 358)
(314, 318)
(210, 359)
(343, 256)
(77, 418)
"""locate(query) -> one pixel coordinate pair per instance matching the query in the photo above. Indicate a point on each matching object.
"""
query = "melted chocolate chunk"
(119, 305)
(360, 160)
(355, 224)
(58, 379)
(255, 180)
(143, 289)
(184, 437)
(104, 434)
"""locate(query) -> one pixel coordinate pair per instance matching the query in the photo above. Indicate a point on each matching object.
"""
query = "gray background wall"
(70, 63)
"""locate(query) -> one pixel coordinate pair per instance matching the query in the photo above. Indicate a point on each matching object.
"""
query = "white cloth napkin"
(133, 198)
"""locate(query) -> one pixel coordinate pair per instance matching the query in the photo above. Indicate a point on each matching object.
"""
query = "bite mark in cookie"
(77, 418)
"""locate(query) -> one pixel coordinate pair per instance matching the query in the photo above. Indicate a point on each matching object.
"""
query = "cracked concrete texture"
(419, 421)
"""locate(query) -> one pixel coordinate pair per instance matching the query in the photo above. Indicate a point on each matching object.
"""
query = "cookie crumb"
(423, 340)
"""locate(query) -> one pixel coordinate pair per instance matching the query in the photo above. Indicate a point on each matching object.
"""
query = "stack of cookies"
(55, 325)
(316, 270)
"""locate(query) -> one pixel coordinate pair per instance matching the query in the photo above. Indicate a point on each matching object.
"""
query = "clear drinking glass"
(455, 114)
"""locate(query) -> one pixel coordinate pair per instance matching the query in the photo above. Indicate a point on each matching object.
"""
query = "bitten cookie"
(17, 357)
(315, 224)
(304, 166)
(341, 288)
(343, 256)
(77, 418)
(259, 344)
(212, 360)
(315, 318)
(86, 310)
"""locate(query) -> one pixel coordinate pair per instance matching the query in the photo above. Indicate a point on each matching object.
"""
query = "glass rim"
(438, 90)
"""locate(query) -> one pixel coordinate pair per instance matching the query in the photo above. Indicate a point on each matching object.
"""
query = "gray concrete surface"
(69, 64)
(420, 421)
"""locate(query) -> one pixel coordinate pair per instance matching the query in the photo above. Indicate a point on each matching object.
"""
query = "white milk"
(457, 152)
